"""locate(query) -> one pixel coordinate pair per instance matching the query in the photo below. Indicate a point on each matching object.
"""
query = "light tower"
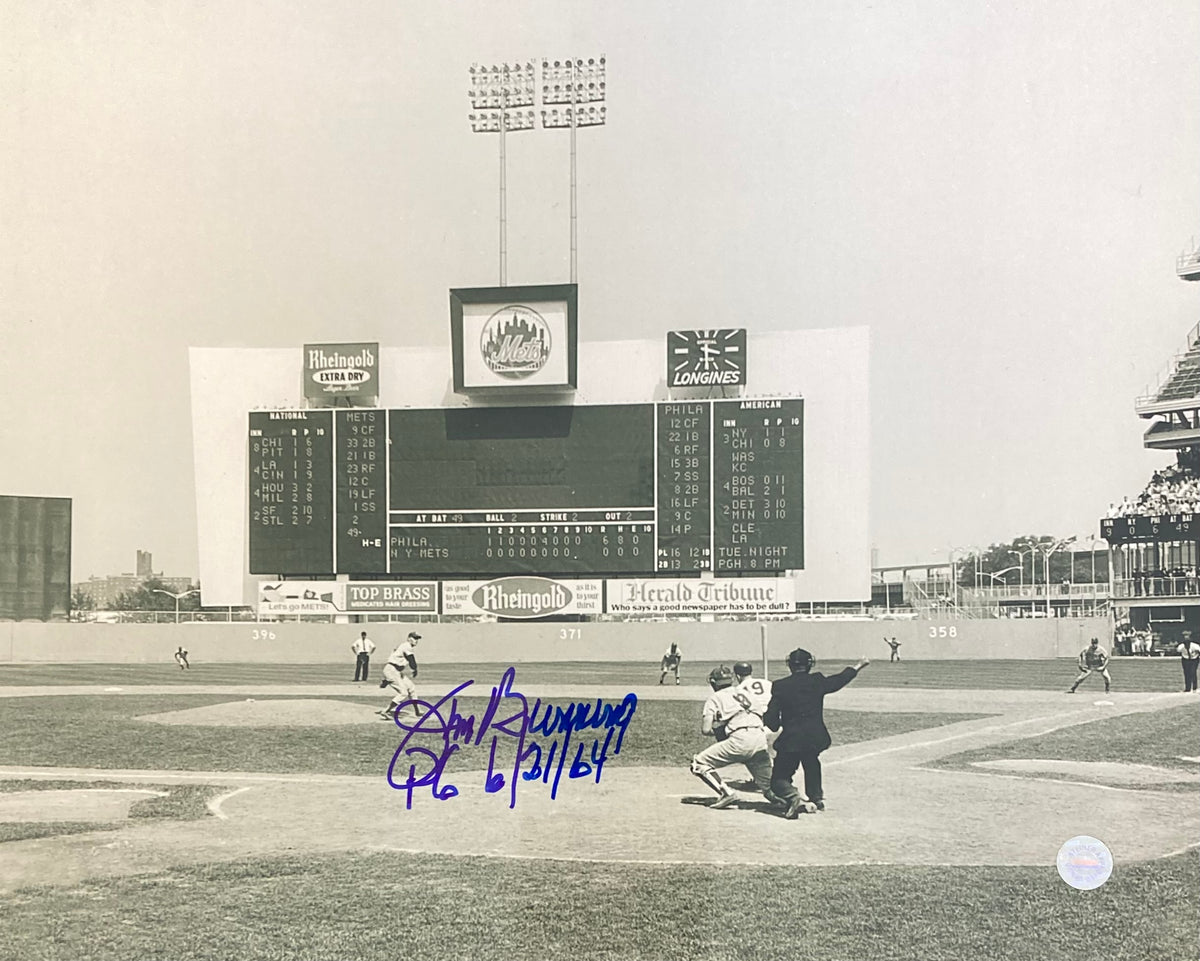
(501, 100)
(571, 91)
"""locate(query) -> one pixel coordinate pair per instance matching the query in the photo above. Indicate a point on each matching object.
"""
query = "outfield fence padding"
(702, 643)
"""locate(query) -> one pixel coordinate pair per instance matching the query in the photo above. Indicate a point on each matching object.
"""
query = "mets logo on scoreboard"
(706, 358)
(515, 342)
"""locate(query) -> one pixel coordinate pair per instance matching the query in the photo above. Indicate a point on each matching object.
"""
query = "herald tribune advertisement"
(721, 595)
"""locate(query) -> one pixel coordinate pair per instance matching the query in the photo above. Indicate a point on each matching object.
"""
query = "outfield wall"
(303, 643)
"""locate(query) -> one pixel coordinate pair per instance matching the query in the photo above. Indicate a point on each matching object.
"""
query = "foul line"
(1054, 780)
(995, 728)
(214, 806)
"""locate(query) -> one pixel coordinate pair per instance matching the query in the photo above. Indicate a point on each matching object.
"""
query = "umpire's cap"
(801, 660)
(742, 668)
(414, 635)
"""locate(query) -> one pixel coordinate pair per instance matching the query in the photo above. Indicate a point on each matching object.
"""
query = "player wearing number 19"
(740, 737)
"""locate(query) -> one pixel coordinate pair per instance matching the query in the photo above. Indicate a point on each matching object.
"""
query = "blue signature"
(543, 734)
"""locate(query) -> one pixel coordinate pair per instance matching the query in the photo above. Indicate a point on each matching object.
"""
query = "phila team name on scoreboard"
(688, 486)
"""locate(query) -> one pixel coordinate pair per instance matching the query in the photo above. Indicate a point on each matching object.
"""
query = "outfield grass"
(377, 906)
(381, 907)
(98, 731)
(1129, 674)
(1157, 738)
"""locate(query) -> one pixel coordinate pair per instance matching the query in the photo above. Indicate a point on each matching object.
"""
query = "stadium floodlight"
(502, 99)
(577, 86)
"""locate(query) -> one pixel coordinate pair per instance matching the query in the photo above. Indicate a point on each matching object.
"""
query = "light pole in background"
(999, 575)
(1054, 548)
(1092, 541)
(502, 100)
(1020, 556)
(575, 86)
(178, 598)
(974, 552)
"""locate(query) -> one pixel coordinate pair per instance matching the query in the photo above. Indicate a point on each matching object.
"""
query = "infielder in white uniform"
(401, 662)
(671, 660)
(1093, 659)
(740, 737)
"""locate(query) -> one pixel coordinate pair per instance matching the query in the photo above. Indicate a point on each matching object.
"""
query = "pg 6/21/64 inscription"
(544, 736)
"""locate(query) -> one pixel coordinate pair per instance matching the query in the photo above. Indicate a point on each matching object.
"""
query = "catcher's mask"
(800, 660)
(720, 677)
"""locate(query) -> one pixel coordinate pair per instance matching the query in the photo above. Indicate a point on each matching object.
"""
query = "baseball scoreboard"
(687, 486)
(1151, 527)
(35, 558)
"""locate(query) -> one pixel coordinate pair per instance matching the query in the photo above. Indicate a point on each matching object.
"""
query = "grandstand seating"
(1183, 382)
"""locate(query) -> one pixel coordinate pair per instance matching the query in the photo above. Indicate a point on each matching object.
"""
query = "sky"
(999, 191)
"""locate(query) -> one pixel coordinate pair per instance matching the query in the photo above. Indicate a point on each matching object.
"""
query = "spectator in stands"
(1172, 490)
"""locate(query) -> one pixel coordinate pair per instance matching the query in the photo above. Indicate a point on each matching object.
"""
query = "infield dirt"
(884, 805)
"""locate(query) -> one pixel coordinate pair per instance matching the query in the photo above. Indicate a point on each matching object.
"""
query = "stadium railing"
(1157, 587)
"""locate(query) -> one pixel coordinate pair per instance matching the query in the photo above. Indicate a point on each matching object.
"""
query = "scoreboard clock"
(706, 358)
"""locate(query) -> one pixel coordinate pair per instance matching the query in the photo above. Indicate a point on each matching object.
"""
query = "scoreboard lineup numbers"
(713, 485)
(684, 488)
(291, 510)
(362, 524)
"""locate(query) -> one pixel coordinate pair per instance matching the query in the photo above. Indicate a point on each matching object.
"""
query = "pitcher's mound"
(300, 712)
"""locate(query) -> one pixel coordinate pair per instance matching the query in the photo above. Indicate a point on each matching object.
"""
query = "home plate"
(1103, 703)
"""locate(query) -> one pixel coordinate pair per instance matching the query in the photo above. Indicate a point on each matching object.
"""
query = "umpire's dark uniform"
(796, 705)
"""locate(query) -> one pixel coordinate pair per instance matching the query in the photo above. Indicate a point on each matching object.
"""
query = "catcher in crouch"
(740, 737)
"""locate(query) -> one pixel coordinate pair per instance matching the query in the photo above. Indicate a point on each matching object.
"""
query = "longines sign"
(706, 358)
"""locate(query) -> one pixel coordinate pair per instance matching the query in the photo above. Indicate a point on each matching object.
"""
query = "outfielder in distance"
(1093, 659)
(401, 662)
(740, 737)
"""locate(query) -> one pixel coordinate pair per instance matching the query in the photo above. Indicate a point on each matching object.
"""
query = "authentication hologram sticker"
(1084, 862)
